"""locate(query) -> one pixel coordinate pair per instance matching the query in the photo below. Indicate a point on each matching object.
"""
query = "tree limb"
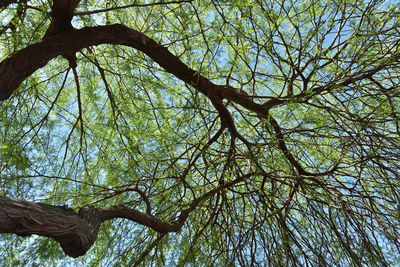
(23, 63)
(5, 3)
(77, 232)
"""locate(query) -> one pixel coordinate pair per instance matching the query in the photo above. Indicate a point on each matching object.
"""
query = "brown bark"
(76, 232)
(4, 3)
(20, 65)
(61, 13)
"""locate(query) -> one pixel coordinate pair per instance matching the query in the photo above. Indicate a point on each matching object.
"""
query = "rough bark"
(76, 232)
(20, 65)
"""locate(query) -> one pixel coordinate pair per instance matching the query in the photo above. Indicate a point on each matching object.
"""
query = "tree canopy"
(200, 132)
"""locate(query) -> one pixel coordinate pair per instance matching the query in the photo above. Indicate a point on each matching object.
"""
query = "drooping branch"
(23, 63)
(283, 147)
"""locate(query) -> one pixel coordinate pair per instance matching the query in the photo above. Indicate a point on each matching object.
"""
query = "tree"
(200, 132)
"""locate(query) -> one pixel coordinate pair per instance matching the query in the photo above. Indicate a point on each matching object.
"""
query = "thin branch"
(149, 248)
(128, 6)
(282, 146)
(78, 95)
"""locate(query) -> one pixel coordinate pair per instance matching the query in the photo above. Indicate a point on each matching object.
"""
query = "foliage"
(329, 71)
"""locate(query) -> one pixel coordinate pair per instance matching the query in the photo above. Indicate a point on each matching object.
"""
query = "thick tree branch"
(20, 65)
(76, 233)
(61, 13)
(5, 3)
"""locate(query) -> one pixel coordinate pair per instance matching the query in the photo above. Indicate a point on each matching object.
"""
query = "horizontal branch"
(77, 232)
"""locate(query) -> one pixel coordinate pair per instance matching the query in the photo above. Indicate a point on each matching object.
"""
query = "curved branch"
(77, 232)
(284, 149)
(282, 146)
(20, 65)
